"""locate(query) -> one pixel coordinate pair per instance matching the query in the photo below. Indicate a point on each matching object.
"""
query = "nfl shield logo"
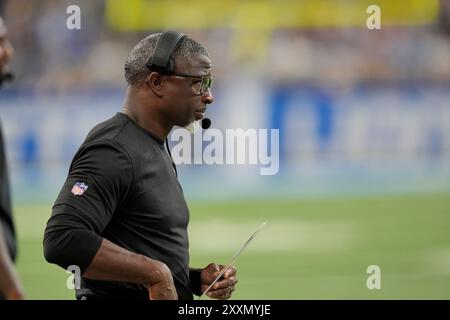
(79, 188)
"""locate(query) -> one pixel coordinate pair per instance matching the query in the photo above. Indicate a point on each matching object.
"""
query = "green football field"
(310, 249)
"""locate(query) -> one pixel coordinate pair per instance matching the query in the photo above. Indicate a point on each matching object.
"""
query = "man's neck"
(146, 117)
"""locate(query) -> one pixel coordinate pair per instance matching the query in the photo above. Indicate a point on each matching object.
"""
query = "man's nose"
(208, 98)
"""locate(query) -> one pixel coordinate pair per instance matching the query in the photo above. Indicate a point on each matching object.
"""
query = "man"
(121, 216)
(10, 287)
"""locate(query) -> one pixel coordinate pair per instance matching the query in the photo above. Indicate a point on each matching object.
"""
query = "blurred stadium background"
(364, 119)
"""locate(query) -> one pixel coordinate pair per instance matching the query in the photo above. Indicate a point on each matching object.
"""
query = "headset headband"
(160, 61)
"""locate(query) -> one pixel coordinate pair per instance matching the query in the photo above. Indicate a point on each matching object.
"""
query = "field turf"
(310, 249)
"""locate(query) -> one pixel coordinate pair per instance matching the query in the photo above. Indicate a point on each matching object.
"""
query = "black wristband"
(194, 277)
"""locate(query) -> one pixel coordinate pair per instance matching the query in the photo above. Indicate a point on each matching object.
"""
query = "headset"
(162, 62)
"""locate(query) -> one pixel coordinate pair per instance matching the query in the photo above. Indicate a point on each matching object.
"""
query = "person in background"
(10, 286)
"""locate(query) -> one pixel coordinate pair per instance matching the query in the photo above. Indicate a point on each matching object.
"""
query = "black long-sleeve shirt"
(121, 186)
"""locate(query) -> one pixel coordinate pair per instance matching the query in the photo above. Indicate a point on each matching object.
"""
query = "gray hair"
(135, 65)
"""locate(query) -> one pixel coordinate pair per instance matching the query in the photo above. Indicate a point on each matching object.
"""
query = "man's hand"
(224, 287)
(15, 294)
(163, 288)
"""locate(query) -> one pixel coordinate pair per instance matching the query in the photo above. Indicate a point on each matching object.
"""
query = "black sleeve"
(194, 278)
(99, 180)
(6, 219)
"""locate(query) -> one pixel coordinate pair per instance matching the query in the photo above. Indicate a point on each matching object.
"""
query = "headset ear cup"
(161, 60)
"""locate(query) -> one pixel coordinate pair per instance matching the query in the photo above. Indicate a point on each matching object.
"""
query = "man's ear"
(156, 83)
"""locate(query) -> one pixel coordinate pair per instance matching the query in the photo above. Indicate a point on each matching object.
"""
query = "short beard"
(193, 126)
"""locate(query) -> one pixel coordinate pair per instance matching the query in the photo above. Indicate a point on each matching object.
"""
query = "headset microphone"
(206, 123)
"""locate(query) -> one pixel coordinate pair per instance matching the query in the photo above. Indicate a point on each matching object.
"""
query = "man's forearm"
(114, 263)
(10, 286)
(67, 242)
